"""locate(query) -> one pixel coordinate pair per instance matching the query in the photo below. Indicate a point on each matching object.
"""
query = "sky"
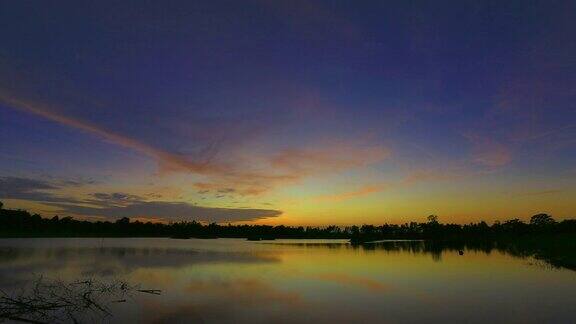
(289, 112)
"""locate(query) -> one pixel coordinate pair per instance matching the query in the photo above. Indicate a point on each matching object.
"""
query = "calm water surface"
(283, 281)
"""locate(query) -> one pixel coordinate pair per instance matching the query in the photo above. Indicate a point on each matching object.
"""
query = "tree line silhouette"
(20, 223)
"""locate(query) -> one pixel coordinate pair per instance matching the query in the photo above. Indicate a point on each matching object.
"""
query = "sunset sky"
(289, 112)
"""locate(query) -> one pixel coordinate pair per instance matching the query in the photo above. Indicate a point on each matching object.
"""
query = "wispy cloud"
(112, 199)
(362, 191)
(167, 161)
(334, 157)
(290, 166)
(170, 211)
(113, 205)
(489, 152)
(286, 166)
(32, 189)
(411, 178)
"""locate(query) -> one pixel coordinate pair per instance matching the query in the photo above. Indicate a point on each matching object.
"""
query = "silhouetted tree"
(123, 221)
(18, 223)
(541, 220)
(432, 219)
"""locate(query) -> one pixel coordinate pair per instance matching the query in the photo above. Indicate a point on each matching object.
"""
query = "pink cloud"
(335, 157)
(285, 167)
(489, 152)
(362, 191)
(413, 177)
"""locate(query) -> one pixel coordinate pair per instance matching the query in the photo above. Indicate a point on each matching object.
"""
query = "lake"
(301, 281)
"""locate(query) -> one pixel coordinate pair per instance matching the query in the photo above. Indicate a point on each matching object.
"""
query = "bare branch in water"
(150, 291)
(58, 301)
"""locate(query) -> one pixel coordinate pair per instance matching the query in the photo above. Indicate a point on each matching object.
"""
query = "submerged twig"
(151, 291)
(57, 301)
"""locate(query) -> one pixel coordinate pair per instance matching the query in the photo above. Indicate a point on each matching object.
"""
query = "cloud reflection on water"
(235, 281)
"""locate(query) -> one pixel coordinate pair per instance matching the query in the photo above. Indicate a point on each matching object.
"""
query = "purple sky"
(296, 112)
